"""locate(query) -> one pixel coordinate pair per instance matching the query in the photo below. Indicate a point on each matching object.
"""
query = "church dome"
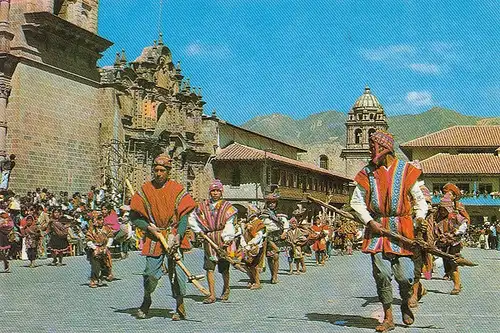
(367, 101)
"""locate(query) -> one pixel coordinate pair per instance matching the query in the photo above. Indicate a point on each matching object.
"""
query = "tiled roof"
(460, 136)
(239, 152)
(302, 150)
(461, 164)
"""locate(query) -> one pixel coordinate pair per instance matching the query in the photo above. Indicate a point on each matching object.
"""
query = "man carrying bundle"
(276, 225)
(162, 206)
(215, 217)
(451, 224)
(383, 198)
(253, 246)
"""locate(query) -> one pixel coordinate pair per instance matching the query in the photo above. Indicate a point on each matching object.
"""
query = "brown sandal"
(455, 291)
(178, 316)
(209, 300)
(225, 295)
(386, 326)
(407, 314)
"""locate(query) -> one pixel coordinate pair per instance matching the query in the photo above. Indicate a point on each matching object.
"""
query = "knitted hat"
(272, 197)
(216, 185)
(384, 139)
(163, 160)
(450, 187)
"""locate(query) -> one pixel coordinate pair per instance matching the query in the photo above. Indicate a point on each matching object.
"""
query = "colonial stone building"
(50, 92)
(72, 124)
(467, 156)
(251, 165)
(152, 109)
(365, 117)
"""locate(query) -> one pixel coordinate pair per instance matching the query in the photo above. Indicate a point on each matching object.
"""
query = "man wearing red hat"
(452, 224)
(163, 205)
(455, 195)
(276, 226)
(215, 217)
(383, 198)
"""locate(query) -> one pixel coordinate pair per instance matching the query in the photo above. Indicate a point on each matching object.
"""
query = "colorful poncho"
(388, 200)
(163, 207)
(212, 219)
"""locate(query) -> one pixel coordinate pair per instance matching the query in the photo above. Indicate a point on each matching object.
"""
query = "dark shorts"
(222, 265)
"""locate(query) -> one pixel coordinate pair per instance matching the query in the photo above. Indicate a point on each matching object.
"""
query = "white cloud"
(197, 49)
(425, 68)
(389, 52)
(433, 58)
(194, 49)
(419, 98)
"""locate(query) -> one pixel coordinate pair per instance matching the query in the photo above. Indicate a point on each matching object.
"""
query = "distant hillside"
(324, 126)
(316, 128)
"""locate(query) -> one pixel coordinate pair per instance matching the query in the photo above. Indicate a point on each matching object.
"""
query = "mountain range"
(329, 126)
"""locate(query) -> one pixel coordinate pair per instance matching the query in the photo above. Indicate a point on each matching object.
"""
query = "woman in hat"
(58, 243)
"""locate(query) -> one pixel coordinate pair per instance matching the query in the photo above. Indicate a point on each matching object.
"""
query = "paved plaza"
(339, 297)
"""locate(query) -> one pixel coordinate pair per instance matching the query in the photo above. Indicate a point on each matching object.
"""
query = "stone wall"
(53, 128)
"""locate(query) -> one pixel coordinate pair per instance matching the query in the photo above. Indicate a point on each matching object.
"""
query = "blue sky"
(299, 57)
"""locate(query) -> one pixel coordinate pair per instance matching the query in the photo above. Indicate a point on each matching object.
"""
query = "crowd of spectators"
(78, 213)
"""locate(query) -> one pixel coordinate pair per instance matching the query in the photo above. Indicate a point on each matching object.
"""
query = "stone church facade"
(73, 125)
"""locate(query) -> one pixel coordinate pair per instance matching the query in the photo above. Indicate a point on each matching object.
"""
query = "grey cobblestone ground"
(339, 297)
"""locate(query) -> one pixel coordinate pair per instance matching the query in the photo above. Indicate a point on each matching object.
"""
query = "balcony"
(492, 199)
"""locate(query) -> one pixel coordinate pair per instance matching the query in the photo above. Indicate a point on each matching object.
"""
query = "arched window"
(358, 134)
(159, 110)
(323, 162)
(371, 131)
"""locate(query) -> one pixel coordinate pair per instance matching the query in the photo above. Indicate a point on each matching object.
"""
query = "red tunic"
(388, 200)
(163, 207)
(320, 240)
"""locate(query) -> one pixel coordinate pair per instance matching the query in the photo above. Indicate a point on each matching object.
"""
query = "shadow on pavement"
(437, 291)
(153, 312)
(343, 320)
(196, 298)
(98, 286)
(266, 281)
(374, 300)
(356, 321)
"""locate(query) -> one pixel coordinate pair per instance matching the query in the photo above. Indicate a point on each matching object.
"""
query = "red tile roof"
(459, 136)
(461, 164)
(239, 152)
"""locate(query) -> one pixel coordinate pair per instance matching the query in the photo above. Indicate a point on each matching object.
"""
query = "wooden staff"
(194, 279)
(221, 253)
(411, 242)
